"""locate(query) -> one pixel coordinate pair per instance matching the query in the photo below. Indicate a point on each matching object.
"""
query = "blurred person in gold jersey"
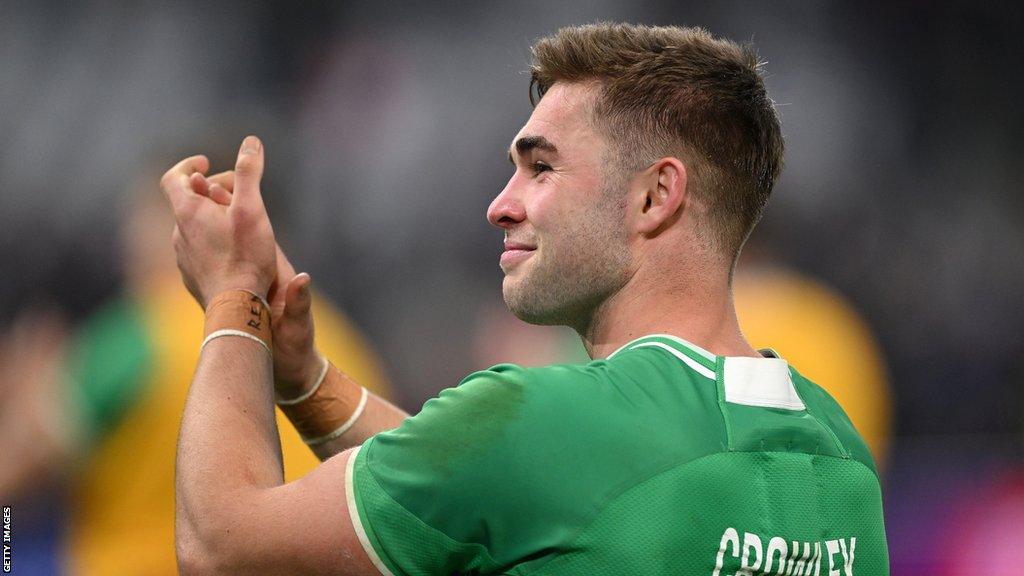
(110, 415)
(814, 326)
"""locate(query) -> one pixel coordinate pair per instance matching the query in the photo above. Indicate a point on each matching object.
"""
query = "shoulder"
(508, 396)
(828, 411)
(472, 425)
(587, 401)
(473, 476)
(512, 460)
(662, 355)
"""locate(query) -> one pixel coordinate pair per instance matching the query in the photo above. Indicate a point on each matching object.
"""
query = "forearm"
(379, 415)
(228, 446)
(334, 413)
(229, 480)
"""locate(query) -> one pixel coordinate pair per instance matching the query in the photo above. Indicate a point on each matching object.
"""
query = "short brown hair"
(669, 91)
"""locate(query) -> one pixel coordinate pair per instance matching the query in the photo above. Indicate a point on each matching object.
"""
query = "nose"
(506, 210)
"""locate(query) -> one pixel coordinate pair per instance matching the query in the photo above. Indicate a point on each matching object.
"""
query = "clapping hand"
(224, 241)
(222, 247)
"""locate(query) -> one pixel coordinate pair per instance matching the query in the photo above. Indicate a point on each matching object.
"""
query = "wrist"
(238, 313)
(248, 284)
(303, 380)
(329, 409)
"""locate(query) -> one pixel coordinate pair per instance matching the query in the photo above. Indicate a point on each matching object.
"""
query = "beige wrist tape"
(328, 410)
(238, 313)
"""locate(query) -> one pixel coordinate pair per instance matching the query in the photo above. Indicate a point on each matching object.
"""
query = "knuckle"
(239, 215)
(246, 217)
(167, 178)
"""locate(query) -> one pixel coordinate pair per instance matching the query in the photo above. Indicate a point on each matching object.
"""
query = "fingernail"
(250, 145)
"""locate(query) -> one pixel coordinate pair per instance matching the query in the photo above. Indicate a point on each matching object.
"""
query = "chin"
(508, 294)
(525, 307)
(511, 292)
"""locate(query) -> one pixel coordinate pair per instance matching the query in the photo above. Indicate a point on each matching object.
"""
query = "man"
(645, 164)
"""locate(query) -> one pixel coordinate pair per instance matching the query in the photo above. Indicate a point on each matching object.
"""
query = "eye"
(539, 167)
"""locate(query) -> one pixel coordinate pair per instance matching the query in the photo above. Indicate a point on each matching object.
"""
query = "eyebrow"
(527, 143)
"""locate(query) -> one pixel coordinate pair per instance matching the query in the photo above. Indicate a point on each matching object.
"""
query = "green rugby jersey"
(661, 459)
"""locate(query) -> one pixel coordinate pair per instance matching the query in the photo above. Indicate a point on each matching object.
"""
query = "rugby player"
(679, 449)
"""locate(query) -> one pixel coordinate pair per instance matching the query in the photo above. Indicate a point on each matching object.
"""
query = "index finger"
(175, 182)
(225, 179)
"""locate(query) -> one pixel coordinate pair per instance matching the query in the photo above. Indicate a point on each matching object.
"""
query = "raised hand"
(297, 363)
(220, 246)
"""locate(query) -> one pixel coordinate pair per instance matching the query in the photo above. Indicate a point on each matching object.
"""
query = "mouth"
(515, 253)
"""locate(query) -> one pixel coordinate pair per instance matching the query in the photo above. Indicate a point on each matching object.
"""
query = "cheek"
(553, 209)
(541, 204)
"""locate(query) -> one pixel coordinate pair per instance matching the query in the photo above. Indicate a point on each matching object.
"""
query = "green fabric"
(673, 522)
(110, 356)
(630, 465)
(435, 552)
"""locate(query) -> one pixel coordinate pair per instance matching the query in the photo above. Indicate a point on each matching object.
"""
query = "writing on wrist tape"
(329, 409)
(238, 313)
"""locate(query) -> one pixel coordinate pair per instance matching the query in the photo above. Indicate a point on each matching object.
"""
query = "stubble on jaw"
(575, 271)
(586, 260)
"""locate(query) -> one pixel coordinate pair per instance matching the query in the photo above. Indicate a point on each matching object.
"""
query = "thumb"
(297, 297)
(249, 171)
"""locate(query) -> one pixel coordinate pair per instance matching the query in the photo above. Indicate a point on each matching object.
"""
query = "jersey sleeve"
(451, 490)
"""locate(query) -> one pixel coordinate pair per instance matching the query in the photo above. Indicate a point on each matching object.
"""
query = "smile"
(514, 256)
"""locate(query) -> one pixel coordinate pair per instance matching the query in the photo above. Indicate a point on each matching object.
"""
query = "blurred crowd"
(888, 266)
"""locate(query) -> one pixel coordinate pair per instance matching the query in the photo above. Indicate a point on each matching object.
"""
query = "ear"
(662, 195)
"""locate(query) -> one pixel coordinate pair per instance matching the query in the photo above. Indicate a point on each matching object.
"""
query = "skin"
(297, 362)
(616, 258)
(561, 204)
(229, 483)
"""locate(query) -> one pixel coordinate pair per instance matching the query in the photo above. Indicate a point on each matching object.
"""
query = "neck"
(699, 310)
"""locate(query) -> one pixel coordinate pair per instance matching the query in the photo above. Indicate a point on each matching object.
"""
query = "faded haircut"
(673, 91)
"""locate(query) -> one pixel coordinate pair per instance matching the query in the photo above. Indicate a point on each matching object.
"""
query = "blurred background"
(888, 265)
